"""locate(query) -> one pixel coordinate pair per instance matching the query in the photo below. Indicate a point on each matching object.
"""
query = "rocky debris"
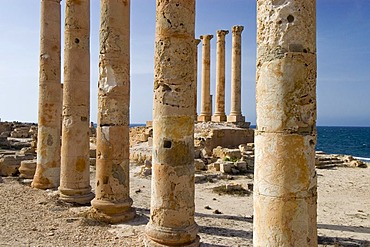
(4, 143)
(27, 169)
(231, 189)
(21, 132)
(324, 160)
(9, 164)
(199, 165)
(16, 135)
(92, 151)
(146, 169)
(140, 152)
(140, 134)
(226, 153)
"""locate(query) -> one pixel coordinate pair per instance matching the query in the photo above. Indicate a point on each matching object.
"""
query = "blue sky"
(343, 34)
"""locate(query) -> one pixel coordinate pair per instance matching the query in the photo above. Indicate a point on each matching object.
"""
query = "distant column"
(236, 110)
(47, 174)
(205, 113)
(197, 41)
(172, 199)
(75, 174)
(219, 114)
(112, 202)
(285, 197)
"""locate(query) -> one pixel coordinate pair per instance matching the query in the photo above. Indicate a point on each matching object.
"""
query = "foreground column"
(112, 202)
(205, 113)
(285, 179)
(236, 74)
(219, 115)
(47, 174)
(197, 41)
(172, 201)
(75, 175)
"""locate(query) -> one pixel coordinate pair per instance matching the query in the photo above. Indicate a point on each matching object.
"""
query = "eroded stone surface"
(219, 114)
(50, 98)
(285, 178)
(172, 199)
(75, 178)
(112, 202)
(206, 106)
(236, 111)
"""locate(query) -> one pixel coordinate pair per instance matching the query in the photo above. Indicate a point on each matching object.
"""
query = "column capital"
(237, 29)
(222, 33)
(206, 36)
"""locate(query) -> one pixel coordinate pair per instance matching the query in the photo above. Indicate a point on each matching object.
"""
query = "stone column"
(205, 113)
(112, 202)
(75, 175)
(285, 184)
(219, 114)
(197, 41)
(47, 174)
(236, 74)
(172, 201)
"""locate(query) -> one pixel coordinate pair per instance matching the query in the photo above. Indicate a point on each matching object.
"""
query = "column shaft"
(197, 41)
(112, 202)
(48, 143)
(285, 194)
(236, 110)
(75, 174)
(206, 112)
(219, 114)
(172, 202)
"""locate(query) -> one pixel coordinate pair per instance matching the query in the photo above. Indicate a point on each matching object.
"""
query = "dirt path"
(31, 217)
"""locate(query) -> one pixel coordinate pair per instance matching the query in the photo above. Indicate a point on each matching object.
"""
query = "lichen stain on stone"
(49, 140)
(119, 174)
(78, 2)
(80, 165)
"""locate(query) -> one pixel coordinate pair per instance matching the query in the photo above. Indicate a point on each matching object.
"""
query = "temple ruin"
(285, 179)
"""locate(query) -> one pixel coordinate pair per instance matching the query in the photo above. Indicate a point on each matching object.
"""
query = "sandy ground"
(31, 217)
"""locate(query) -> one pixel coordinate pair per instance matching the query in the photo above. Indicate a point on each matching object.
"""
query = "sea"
(353, 141)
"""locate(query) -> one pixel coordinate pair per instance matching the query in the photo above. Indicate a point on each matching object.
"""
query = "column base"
(219, 118)
(235, 118)
(78, 196)
(157, 236)
(113, 212)
(46, 178)
(204, 118)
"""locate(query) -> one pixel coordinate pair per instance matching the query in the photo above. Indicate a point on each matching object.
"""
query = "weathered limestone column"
(219, 114)
(236, 74)
(47, 174)
(285, 180)
(112, 202)
(75, 176)
(205, 113)
(197, 41)
(172, 201)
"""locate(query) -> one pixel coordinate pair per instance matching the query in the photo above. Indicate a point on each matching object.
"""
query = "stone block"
(92, 161)
(199, 165)
(27, 169)
(226, 167)
(92, 153)
(214, 166)
(233, 154)
(241, 166)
